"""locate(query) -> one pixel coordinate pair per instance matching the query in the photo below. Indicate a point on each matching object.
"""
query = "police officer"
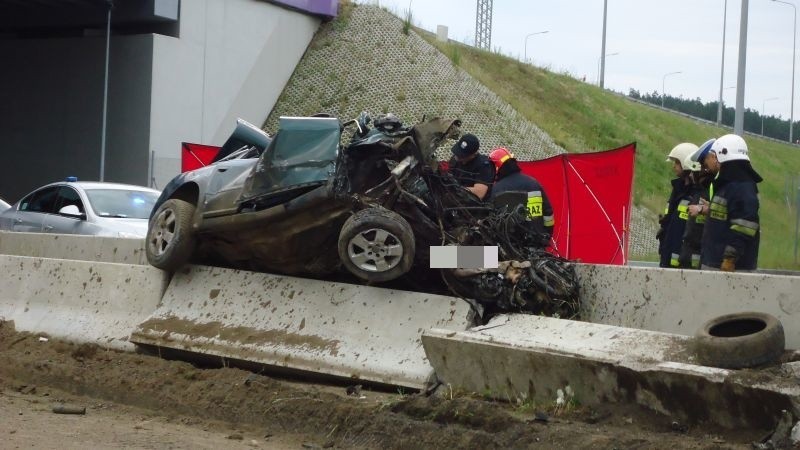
(471, 169)
(673, 222)
(732, 231)
(511, 179)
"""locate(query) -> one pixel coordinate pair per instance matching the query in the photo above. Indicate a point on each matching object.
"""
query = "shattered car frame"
(305, 203)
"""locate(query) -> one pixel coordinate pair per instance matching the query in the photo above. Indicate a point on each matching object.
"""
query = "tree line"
(774, 127)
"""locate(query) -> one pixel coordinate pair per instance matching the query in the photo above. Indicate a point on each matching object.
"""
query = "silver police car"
(91, 208)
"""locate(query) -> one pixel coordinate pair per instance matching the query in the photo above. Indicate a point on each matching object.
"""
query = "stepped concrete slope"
(364, 62)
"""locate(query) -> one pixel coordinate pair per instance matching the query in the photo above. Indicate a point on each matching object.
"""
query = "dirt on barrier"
(140, 401)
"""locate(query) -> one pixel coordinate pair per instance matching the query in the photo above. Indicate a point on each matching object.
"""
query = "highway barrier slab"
(681, 301)
(79, 301)
(73, 246)
(530, 359)
(339, 329)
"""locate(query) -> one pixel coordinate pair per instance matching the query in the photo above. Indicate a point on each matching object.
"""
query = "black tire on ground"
(170, 242)
(376, 245)
(740, 340)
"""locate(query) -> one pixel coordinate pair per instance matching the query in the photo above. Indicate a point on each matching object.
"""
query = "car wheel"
(376, 245)
(740, 340)
(170, 242)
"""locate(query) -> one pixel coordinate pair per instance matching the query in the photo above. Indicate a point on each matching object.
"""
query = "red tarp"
(195, 156)
(591, 195)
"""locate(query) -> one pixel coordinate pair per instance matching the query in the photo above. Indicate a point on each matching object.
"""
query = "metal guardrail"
(700, 120)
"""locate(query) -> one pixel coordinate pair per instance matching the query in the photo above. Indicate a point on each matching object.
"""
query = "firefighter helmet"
(499, 156)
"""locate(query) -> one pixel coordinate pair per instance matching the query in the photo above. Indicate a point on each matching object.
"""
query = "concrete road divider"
(73, 246)
(680, 301)
(345, 330)
(79, 301)
(563, 363)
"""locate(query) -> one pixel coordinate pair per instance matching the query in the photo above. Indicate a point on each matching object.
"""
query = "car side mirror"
(71, 211)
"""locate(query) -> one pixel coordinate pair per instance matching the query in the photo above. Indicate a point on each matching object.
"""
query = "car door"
(61, 223)
(33, 209)
(225, 186)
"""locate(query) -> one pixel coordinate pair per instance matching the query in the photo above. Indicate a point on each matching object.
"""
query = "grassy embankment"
(582, 117)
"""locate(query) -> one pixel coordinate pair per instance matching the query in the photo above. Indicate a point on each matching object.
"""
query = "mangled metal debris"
(304, 203)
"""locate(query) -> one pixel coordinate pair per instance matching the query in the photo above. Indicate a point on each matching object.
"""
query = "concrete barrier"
(73, 246)
(338, 329)
(79, 301)
(680, 301)
(530, 358)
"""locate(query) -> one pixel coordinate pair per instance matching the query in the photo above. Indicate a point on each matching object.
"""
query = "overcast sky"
(652, 38)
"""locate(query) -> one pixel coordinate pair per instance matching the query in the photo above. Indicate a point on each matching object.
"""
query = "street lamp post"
(794, 41)
(598, 65)
(764, 104)
(663, 81)
(526, 41)
(722, 69)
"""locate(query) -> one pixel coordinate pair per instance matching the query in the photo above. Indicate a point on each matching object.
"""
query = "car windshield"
(122, 203)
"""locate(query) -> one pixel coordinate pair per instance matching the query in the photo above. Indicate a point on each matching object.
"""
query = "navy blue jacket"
(732, 228)
(539, 207)
(693, 236)
(673, 224)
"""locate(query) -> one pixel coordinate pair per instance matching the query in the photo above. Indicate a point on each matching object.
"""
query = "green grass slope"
(582, 117)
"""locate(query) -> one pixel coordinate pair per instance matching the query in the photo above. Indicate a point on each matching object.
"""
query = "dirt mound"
(325, 414)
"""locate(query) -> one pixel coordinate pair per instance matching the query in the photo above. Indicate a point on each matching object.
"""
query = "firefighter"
(732, 231)
(673, 222)
(471, 169)
(511, 179)
(698, 196)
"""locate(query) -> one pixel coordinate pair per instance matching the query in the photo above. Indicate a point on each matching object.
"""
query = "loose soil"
(141, 401)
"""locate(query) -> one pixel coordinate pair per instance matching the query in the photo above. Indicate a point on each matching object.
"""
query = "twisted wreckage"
(307, 203)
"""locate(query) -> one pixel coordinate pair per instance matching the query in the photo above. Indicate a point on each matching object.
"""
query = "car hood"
(116, 227)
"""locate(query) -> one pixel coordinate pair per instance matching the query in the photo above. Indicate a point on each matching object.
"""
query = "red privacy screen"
(195, 156)
(591, 195)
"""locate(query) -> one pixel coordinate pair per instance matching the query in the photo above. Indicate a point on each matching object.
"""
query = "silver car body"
(3, 205)
(90, 208)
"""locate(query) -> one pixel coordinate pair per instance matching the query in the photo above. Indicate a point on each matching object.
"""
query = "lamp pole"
(598, 65)
(764, 104)
(794, 42)
(722, 68)
(110, 6)
(663, 81)
(603, 46)
(526, 42)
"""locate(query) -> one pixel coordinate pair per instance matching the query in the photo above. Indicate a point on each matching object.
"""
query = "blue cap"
(467, 145)
(702, 151)
(72, 179)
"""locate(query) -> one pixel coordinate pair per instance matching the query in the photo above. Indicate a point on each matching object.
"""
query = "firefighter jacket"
(672, 224)
(538, 205)
(692, 238)
(732, 228)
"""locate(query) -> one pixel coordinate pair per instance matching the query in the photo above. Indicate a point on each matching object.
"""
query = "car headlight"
(126, 235)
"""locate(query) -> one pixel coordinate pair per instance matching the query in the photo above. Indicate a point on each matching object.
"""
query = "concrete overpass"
(178, 71)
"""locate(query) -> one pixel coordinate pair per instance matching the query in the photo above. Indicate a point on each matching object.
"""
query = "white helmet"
(689, 164)
(730, 147)
(680, 152)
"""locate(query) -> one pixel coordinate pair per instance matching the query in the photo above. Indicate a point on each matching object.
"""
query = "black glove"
(660, 234)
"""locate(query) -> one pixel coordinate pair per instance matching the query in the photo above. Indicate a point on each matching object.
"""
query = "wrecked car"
(312, 202)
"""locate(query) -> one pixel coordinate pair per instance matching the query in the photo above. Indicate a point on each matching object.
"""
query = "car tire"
(736, 341)
(376, 245)
(170, 242)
